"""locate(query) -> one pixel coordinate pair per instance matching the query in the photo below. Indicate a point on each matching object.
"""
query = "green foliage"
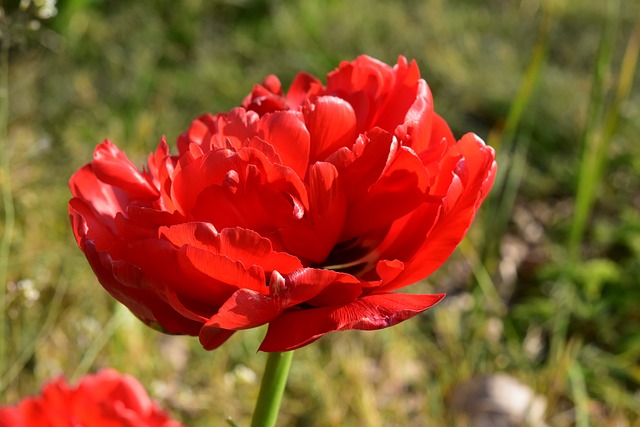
(545, 287)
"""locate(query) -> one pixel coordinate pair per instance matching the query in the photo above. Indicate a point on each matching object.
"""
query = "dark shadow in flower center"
(348, 257)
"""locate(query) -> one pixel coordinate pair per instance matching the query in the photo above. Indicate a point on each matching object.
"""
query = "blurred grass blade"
(580, 396)
(601, 122)
(117, 319)
(528, 85)
(55, 308)
(482, 277)
(498, 219)
(5, 184)
(510, 154)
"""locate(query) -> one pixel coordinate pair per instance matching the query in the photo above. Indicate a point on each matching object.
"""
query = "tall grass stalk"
(49, 323)
(511, 151)
(593, 161)
(529, 83)
(580, 396)
(115, 322)
(5, 183)
(596, 138)
(490, 294)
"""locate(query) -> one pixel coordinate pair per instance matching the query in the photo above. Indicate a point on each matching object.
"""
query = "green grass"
(552, 260)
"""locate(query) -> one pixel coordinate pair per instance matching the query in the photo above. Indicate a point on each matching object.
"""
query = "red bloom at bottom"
(105, 399)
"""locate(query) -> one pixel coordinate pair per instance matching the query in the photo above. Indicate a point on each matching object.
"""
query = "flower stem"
(271, 389)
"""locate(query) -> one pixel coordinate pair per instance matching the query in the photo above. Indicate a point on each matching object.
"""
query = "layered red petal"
(248, 309)
(297, 328)
(423, 253)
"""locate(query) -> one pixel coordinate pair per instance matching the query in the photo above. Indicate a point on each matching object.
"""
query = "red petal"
(249, 309)
(87, 224)
(302, 88)
(212, 278)
(407, 235)
(272, 84)
(103, 198)
(191, 178)
(308, 283)
(12, 416)
(286, 132)
(401, 96)
(254, 194)
(364, 83)
(265, 98)
(112, 167)
(199, 132)
(125, 283)
(155, 161)
(441, 157)
(249, 248)
(332, 124)
(275, 178)
(152, 218)
(322, 287)
(152, 265)
(212, 338)
(480, 164)
(389, 270)
(237, 244)
(265, 148)
(108, 387)
(314, 236)
(372, 153)
(400, 190)
(472, 181)
(189, 279)
(54, 404)
(419, 122)
(295, 329)
(243, 310)
(239, 126)
(161, 166)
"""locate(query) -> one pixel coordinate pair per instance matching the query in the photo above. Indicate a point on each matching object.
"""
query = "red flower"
(105, 399)
(303, 210)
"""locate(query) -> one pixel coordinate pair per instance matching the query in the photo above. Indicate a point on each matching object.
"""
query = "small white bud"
(276, 283)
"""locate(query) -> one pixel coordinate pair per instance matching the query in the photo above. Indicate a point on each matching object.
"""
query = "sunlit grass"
(544, 288)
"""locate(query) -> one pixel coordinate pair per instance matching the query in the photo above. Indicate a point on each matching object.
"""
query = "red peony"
(304, 210)
(105, 399)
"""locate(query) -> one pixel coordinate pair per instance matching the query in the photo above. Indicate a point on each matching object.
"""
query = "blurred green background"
(545, 288)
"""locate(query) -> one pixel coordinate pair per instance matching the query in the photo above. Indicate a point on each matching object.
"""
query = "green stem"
(271, 389)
